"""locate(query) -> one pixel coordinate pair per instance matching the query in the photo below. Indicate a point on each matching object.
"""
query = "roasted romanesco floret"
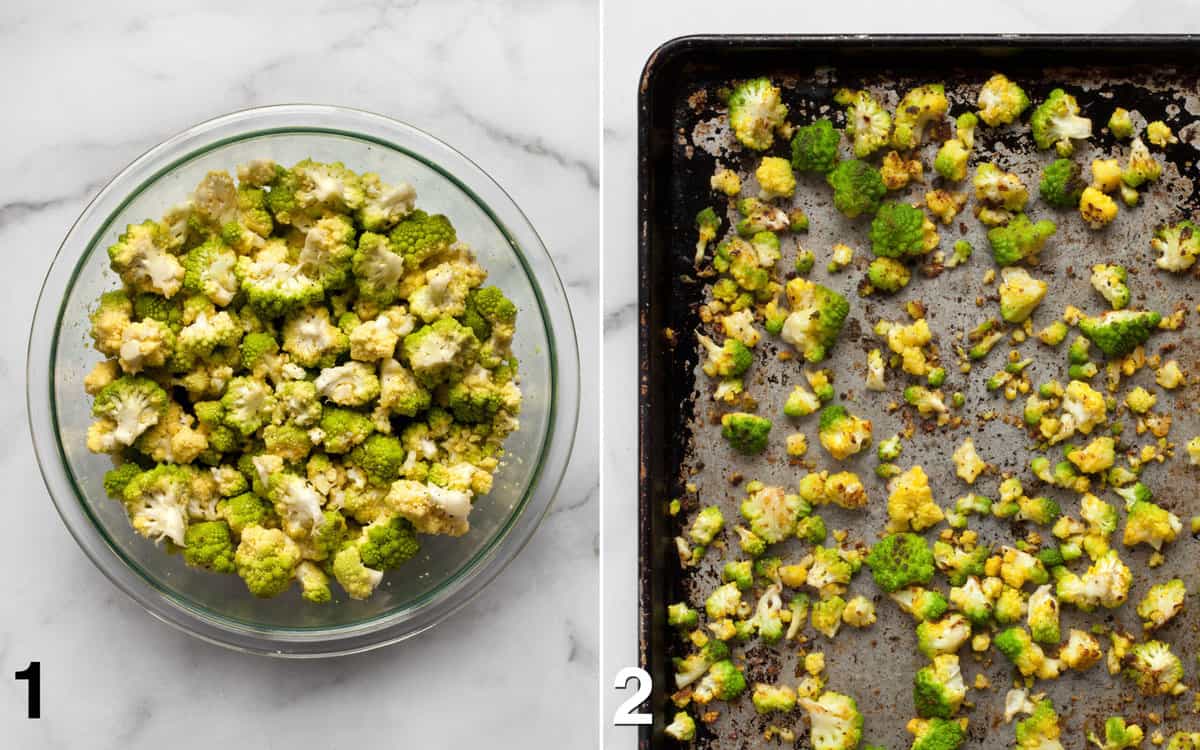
(897, 231)
(1118, 332)
(1061, 183)
(938, 689)
(910, 502)
(756, 112)
(835, 720)
(746, 433)
(1162, 602)
(917, 109)
(1001, 101)
(1117, 734)
(842, 433)
(1177, 246)
(900, 561)
(815, 318)
(815, 147)
(1019, 240)
(868, 124)
(1154, 669)
(1057, 122)
(857, 187)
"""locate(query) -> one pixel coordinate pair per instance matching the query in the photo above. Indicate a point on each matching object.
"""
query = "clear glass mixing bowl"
(447, 572)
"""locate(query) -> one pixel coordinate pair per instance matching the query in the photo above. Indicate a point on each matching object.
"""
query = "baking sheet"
(683, 138)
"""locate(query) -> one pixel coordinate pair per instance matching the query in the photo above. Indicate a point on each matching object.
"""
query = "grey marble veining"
(632, 30)
(86, 88)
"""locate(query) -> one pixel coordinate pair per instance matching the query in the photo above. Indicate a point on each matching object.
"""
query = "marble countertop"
(632, 30)
(87, 88)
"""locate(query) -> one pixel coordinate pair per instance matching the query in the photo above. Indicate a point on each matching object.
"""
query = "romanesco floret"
(771, 512)
(387, 544)
(357, 579)
(142, 258)
(910, 502)
(951, 160)
(756, 112)
(707, 225)
(127, 408)
(1019, 240)
(917, 109)
(1117, 734)
(209, 545)
(266, 560)
(209, 269)
(246, 509)
(857, 187)
(835, 720)
(723, 681)
(815, 319)
(420, 237)
(921, 603)
(1000, 194)
(1043, 615)
(1120, 124)
(156, 503)
(1057, 122)
(944, 636)
(1020, 294)
(972, 601)
(682, 727)
(769, 698)
(1081, 651)
(815, 147)
(1177, 246)
(1001, 101)
(1161, 603)
(1019, 648)
(775, 178)
(1154, 669)
(1142, 167)
(273, 284)
(938, 689)
(897, 231)
(383, 204)
(433, 352)
(937, 734)
(729, 360)
(841, 433)
(746, 433)
(899, 561)
(1118, 332)
(378, 268)
(1061, 183)
(1040, 730)
(1106, 583)
(314, 584)
(1150, 524)
(1110, 281)
(1159, 134)
(868, 124)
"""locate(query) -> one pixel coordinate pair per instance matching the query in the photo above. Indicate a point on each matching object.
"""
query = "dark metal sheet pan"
(680, 142)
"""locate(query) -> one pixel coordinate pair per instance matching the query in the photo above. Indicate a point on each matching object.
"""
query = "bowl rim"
(470, 578)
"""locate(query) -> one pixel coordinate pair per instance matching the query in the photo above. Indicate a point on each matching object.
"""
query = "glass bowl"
(447, 572)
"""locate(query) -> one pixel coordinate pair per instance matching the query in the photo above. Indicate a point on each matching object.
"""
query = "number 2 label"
(625, 715)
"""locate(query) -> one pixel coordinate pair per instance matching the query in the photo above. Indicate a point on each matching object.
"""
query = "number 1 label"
(33, 675)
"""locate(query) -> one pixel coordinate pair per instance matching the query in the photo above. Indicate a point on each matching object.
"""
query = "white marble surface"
(632, 30)
(86, 88)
